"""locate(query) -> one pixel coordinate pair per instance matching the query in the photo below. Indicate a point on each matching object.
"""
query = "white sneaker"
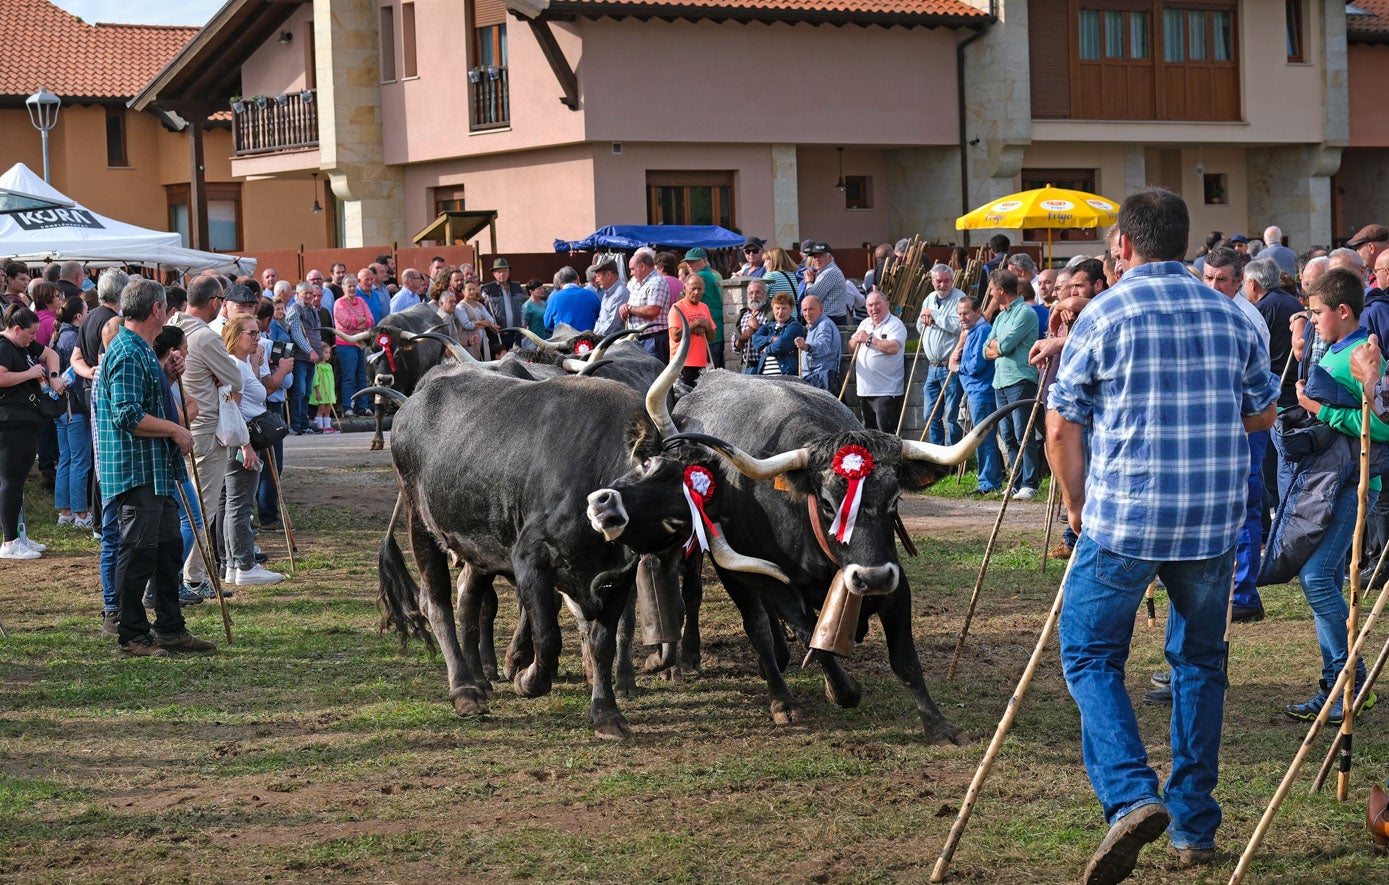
(229, 574)
(15, 550)
(1024, 494)
(67, 519)
(252, 577)
(32, 544)
(83, 522)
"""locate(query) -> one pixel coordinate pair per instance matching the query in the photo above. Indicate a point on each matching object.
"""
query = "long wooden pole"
(1331, 755)
(1347, 674)
(208, 561)
(1150, 599)
(916, 358)
(1051, 520)
(849, 373)
(284, 508)
(993, 536)
(940, 398)
(1000, 733)
(1357, 554)
(213, 575)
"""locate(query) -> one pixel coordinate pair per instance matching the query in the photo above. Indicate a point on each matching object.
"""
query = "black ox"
(778, 502)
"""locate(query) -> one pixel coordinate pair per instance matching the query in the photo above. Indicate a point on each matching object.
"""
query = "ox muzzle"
(878, 580)
(607, 514)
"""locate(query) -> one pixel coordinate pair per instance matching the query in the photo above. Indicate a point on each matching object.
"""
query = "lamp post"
(43, 114)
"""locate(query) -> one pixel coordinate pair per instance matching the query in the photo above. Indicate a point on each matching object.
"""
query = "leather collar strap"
(819, 529)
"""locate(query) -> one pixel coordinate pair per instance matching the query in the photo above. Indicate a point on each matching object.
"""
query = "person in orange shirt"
(701, 326)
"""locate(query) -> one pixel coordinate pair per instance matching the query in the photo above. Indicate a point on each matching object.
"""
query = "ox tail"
(398, 596)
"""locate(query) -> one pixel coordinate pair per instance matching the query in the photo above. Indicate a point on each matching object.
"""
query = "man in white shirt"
(879, 344)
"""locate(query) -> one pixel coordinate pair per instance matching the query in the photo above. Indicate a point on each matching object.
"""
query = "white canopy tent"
(79, 234)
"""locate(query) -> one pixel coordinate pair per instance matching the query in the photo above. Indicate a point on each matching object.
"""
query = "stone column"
(1291, 187)
(786, 208)
(1135, 169)
(925, 188)
(350, 135)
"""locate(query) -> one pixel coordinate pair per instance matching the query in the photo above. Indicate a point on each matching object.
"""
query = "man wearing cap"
(613, 295)
(1369, 241)
(1240, 243)
(752, 258)
(698, 260)
(825, 281)
(507, 302)
(648, 303)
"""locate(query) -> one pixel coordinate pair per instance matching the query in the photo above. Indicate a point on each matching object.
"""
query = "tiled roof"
(863, 11)
(49, 48)
(1367, 17)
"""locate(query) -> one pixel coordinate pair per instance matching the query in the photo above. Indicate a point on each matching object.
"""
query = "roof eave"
(672, 11)
(209, 32)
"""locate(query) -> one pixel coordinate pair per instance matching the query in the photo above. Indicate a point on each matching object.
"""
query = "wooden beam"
(568, 81)
(197, 187)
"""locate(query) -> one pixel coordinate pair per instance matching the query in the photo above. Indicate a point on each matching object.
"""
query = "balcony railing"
(491, 98)
(285, 123)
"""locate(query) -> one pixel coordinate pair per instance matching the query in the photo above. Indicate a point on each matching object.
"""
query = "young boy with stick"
(1335, 301)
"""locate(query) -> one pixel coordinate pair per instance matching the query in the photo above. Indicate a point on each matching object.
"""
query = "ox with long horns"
(525, 512)
(807, 488)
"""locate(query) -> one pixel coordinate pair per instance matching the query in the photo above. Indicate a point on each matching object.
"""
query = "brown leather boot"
(143, 647)
(1377, 817)
(183, 641)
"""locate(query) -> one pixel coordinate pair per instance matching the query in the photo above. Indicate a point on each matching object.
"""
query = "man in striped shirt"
(1170, 377)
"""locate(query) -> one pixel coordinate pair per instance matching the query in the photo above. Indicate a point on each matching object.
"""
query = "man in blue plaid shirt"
(1169, 377)
(141, 462)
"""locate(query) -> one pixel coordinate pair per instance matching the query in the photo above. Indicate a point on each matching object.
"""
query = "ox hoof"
(489, 671)
(614, 729)
(847, 695)
(376, 446)
(531, 683)
(943, 733)
(469, 701)
(626, 685)
(785, 713)
(654, 663)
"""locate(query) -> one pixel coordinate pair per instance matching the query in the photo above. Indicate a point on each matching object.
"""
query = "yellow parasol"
(1052, 208)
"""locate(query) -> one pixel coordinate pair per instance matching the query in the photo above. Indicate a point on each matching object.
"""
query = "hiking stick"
(210, 559)
(1357, 553)
(284, 509)
(208, 562)
(940, 398)
(1347, 674)
(916, 358)
(853, 356)
(993, 536)
(972, 795)
(1051, 519)
(1150, 599)
(1360, 697)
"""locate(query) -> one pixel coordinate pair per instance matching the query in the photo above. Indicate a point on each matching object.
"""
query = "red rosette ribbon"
(583, 347)
(698, 486)
(385, 341)
(854, 463)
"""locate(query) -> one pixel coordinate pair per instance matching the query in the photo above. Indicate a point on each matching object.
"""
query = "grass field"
(313, 749)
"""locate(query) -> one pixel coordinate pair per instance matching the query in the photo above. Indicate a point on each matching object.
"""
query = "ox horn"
(591, 369)
(660, 388)
(753, 468)
(453, 347)
(734, 561)
(573, 365)
(609, 340)
(389, 392)
(952, 455)
(539, 342)
(355, 337)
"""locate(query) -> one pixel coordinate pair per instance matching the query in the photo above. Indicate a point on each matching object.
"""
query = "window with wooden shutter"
(488, 12)
(1049, 42)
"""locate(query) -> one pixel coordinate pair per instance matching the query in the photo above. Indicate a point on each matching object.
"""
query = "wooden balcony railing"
(286, 123)
(491, 98)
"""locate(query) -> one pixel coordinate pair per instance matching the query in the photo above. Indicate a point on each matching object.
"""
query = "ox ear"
(642, 440)
(919, 474)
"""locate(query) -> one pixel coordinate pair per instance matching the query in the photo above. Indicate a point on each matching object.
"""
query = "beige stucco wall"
(78, 155)
(823, 216)
(279, 67)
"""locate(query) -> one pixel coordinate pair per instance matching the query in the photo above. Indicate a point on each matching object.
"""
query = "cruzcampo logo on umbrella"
(1049, 208)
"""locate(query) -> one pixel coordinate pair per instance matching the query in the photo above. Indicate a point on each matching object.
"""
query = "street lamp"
(43, 114)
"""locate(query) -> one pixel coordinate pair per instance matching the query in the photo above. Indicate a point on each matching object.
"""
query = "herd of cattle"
(574, 471)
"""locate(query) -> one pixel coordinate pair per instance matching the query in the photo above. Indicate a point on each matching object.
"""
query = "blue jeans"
(1251, 534)
(353, 378)
(947, 416)
(299, 395)
(74, 460)
(981, 406)
(186, 525)
(267, 501)
(1322, 577)
(1012, 429)
(110, 545)
(1097, 616)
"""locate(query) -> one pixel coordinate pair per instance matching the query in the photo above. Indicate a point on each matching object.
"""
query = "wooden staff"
(1357, 553)
(1151, 600)
(1331, 755)
(940, 398)
(1010, 713)
(1347, 674)
(853, 356)
(1051, 518)
(993, 536)
(208, 561)
(213, 575)
(916, 358)
(284, 509)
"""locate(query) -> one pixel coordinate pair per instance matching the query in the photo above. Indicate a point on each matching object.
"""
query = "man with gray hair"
(412, 288)
(648, 301)
(939, 327)
(571, 303)
(1275, 251)
(141, 466)
(302, 321)
(70, 278)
